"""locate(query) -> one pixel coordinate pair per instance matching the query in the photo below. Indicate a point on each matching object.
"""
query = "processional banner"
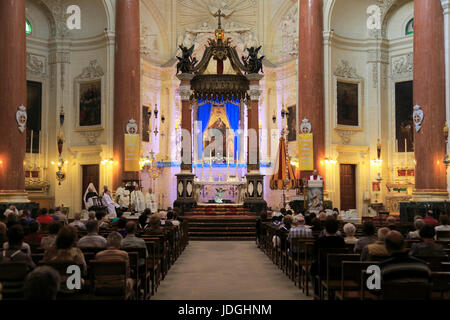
(305, 152)
(131, 146)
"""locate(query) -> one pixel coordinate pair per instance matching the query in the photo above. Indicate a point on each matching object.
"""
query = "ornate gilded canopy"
(212, 86)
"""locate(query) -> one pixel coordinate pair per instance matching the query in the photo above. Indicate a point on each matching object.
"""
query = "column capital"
(185, 77)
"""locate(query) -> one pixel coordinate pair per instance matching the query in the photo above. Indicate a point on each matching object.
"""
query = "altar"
(230, 191)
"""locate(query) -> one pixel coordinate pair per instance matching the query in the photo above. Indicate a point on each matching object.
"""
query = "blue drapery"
(204, 114)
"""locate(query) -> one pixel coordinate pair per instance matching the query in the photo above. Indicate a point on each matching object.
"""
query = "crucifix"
(219, 14)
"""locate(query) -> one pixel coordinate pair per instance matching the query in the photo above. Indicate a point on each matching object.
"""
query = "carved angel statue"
(219, 195)
(252, 63)
(186, 63)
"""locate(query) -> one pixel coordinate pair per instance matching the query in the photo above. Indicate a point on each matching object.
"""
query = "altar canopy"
(284, 174)
(210, 114)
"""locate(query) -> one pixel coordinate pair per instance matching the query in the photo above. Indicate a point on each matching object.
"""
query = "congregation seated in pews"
(118, 258)
(329, 258)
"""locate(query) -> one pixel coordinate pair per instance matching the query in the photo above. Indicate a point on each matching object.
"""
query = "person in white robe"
(138, 200)
(150, 201)
(89, 196)
(109, 204)
(123, 196)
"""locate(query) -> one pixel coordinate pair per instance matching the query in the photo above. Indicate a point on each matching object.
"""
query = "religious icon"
(404, 125)
(376, 187)
(90, 103)
(292, 124)
(347, 104)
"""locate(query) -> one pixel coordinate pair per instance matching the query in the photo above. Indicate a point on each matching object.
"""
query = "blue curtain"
(204, 114)
(232, 109)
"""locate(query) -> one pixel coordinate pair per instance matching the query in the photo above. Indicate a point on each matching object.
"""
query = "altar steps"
(217, 228)
(219, 210)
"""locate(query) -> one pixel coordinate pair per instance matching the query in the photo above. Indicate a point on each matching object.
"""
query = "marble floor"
(226, 270)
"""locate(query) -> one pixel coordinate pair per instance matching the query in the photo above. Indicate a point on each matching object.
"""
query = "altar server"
(109, 204)
(150, 201)
(123, 196)
(138, 199)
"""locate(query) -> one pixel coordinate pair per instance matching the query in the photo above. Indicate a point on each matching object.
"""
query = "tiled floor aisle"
(226, 270)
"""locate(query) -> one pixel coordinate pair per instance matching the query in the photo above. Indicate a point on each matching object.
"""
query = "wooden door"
(91, 174)
(348, 186)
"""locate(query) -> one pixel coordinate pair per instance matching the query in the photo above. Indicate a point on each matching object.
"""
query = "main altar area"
(220, 127)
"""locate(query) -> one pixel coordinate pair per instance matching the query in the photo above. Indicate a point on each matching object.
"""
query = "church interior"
(306, 140)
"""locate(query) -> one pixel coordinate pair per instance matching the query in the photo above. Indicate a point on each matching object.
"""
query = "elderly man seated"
(131, 241)
(113, 253)
(427, 248)
(299, 230)
(377, 249)
(400, 266)
(92, 239)
(77, 222)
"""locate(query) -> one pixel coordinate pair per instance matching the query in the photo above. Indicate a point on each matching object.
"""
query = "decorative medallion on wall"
(36, 65)
(92, 71)
(402, 65)
(305, 127)
(132, 127)
(346, 135)
(91, 136)
(345, 70)
(21, 118)
(180, 189)
(418, 117)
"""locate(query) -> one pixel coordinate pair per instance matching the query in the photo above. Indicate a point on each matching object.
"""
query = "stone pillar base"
(13, 197)
(429, 195)
(254, 195)
(185, 191)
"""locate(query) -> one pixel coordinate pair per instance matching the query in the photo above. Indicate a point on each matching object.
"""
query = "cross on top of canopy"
(220, 85)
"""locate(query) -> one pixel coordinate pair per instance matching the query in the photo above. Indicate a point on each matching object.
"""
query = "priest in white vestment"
(109, 204)
(123, 196)
(150, 201)
(315, 176)
(138, 200)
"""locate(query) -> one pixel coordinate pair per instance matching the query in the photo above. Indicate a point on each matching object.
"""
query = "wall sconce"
(376, 162)
(274, 119)
(60, 174)
(329, 161)
(379, 179)
(446, 157)
(106, 161)
(378, 149)
(284, 113)
(163, 118)
(156, 111)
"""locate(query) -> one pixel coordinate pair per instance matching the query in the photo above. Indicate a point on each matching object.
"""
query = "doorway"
(91, 174)
(348, 186)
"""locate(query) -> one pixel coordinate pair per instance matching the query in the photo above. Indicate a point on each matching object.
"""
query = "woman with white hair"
(350, 230)
(418, 224)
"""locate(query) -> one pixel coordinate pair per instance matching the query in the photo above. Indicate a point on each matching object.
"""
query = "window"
(27, 27)
(410, 27)
(404, 126)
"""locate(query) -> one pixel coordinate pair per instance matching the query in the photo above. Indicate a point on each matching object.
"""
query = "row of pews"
(341, 275)
(108, 280)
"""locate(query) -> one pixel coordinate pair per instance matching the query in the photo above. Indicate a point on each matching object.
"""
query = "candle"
(31, 142)
(406, 156)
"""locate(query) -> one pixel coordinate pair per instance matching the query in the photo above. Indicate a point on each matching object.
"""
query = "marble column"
(255, 180)
(253, 123)
(429, 94)
(186, 120)
(126, 82)
(185, 179)
(311, 75)
(13, 94)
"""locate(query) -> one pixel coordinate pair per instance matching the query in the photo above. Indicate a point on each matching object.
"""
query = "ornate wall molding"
(289, 32)
(36, 65)
(345, 70)
(91, 136)
(402, 65)
(93, 71)
(58, 11)
(346, 135)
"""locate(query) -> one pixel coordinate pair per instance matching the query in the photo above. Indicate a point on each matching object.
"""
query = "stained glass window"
(410, 27)
(27, 27)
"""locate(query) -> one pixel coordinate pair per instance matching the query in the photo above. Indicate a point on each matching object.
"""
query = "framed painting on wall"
(90, 105)
(347, 103)
(292, 124)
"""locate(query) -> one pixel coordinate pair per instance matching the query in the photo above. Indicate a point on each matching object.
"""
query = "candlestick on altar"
(406, 155)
